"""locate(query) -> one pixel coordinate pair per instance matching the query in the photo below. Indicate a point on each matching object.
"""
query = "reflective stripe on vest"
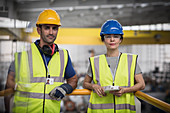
(111, 106)
(103, 77)
(35, 95)
(31, 79)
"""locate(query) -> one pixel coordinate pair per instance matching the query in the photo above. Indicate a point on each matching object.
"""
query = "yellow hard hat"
(48, 16)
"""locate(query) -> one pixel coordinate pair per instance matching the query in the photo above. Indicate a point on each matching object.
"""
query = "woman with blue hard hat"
(113, 77)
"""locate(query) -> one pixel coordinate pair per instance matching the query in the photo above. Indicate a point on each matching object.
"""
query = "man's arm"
(10, 80)
(72, 81)
(9, 84)
(66, 88)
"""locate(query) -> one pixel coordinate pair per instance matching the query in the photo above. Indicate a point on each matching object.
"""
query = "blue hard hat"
(111, 27)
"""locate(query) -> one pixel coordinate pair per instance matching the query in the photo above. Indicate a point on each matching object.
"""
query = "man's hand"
(58, 93)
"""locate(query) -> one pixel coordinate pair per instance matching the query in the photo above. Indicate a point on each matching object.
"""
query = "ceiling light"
(120, 6)
(71, 9)
(144, 5)
(95, 7)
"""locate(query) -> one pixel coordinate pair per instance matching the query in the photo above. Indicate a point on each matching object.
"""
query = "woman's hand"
(119, 92)
(88, 85)
(99, 90)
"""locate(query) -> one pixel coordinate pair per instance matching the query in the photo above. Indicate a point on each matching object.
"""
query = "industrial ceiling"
(90, 13)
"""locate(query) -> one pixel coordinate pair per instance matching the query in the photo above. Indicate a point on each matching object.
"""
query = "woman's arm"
(139, 85)
(88, 85)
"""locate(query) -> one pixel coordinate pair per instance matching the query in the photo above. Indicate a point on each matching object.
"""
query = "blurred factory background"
(146, 26)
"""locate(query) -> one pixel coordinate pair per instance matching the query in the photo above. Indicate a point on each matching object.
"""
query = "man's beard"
(45, 39)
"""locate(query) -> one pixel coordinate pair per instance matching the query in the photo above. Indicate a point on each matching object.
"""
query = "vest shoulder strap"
(129, 54)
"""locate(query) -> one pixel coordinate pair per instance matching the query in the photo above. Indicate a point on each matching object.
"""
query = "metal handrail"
(153, 101)
(147, 98)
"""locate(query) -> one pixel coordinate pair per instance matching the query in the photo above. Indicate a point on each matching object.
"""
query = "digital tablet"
(111, 88)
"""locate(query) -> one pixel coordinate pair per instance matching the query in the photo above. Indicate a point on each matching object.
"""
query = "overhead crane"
(91, 36)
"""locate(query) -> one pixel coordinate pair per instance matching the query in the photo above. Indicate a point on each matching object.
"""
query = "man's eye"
(47, 27)
(55, 28)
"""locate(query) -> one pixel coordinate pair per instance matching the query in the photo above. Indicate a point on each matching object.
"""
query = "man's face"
(48, 33)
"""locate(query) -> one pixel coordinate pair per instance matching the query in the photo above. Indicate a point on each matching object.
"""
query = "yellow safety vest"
(32, 93)
(124, 77)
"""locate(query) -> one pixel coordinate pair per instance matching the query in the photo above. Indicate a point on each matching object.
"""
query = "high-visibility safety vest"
(124, 77)
(32, 93)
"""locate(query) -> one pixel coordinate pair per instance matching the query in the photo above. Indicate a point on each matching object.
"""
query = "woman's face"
(112, 41)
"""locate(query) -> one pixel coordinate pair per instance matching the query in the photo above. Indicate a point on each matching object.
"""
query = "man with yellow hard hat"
(38, 74)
